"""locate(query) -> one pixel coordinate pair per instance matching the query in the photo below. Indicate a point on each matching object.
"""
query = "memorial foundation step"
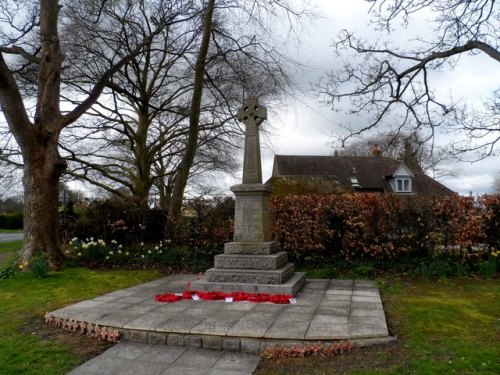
(291, 286)
(255, 262)
(232, 275)
(259, 248)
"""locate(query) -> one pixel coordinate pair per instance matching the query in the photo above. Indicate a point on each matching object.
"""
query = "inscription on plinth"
(251, 216)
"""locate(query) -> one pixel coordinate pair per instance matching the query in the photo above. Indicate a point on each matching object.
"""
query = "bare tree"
(29, 41)
(142, 110)
(411, 149)
(394, 83)
(168, 113)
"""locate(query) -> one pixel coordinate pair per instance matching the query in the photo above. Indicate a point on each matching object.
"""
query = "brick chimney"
(376, 151)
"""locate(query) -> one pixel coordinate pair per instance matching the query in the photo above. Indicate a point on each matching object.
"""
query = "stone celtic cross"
(252, 114)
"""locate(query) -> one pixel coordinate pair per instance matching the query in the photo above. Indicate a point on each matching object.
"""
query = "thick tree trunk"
(182, 175)
(42, 170)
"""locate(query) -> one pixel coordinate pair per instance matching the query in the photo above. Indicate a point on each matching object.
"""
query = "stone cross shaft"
(252, 114)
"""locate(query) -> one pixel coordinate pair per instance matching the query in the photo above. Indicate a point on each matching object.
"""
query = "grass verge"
(11, 230)
(27, 346)
(443, 327)
(11, 246)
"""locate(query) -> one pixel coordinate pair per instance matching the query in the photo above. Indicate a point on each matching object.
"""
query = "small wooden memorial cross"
(252, 114)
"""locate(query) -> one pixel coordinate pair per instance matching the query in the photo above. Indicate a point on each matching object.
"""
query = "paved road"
(7, 237)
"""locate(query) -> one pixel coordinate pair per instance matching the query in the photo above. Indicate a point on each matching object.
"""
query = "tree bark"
(182, 175)
(42, 170)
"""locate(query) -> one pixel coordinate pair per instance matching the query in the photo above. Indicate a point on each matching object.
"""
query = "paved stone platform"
(326, 310)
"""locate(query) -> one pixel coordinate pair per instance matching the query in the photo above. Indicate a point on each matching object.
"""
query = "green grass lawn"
(24, 347)
(443, 327)
(11, 230)
(11, 246)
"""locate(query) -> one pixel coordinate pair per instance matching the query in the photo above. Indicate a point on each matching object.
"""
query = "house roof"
(371, 172)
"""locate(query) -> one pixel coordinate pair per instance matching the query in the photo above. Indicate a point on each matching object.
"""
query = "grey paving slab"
(107, 298)
(180, 324)
(367, 321)
(128, 350)
(250, 328)
(290, 330)
(365, 299)
(255, 315)
(113, 305)
(289, 317)
(367, 305)
(89, 304)
(133, 299)
(144, 368)
(368, 313)
(338, 298)
(236, 362)
(169, 308)
(162, 353)
(103, 364)
(120, 293)
(140, 308)
(325, 309)
(176, 369)
(91, 315)
(216, 325)
(244, 306)
(340, 283)
(330, 319)
(117, 318)
(200, 311)
(339, 292)
(326, 332)
(197, 357)
(148, 321)
(300, 309)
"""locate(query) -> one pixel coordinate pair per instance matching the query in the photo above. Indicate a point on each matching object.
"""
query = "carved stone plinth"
(262, 248)
(251, 213)
(253, 262)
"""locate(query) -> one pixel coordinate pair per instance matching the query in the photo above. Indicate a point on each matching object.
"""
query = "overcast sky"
(306, 128)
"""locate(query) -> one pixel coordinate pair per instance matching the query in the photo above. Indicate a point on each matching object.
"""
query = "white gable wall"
(402, 180)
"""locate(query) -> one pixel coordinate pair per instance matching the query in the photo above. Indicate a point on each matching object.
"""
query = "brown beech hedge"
(385, 226)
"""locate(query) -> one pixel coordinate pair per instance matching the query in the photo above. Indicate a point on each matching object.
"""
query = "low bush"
(97, 253)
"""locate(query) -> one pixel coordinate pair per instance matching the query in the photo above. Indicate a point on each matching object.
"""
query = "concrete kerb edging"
(235, 344)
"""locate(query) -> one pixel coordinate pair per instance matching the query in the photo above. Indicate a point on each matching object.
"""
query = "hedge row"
(349, 226)
(378, 226)
(11, 221)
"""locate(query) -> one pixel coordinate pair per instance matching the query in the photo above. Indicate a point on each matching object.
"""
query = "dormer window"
(355, 183)
(403, 185)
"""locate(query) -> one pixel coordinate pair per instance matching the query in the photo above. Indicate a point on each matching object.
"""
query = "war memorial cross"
(252, 114)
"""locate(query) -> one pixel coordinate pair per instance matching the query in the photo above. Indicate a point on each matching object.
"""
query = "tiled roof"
(371, 172)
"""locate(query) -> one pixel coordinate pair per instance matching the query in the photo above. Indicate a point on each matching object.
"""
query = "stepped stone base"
(231, 275)
(291, 286)
(255, 262)
(257, 248)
